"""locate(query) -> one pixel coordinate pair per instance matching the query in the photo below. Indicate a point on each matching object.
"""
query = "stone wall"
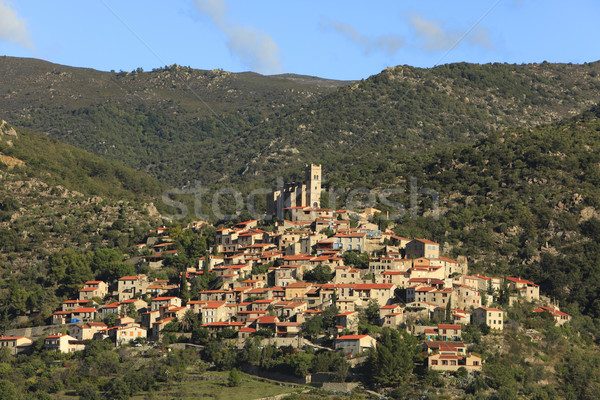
(276, 376)
(35, 331)
(345, 387)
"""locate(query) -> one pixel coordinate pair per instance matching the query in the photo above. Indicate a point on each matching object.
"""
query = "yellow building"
(492, 317)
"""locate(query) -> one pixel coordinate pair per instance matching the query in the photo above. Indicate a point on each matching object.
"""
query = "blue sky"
(330, 39)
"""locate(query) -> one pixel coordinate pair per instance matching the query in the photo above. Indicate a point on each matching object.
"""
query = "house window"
(434, 362)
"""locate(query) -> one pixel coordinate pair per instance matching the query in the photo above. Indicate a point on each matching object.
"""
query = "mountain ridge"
(235, 128)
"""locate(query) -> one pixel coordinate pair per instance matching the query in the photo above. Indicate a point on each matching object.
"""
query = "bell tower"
(313, 185)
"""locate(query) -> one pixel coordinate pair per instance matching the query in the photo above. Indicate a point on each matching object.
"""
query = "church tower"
(313, 185)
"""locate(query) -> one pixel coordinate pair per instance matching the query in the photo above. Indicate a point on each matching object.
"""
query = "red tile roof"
(425, 241)
(370, 286)
(491, 309)
(519, 280)
(448, 326)
(266, 320)
(351, 337)
(84, 310)
(346, 313)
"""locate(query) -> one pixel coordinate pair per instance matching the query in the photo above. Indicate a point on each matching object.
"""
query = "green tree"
(312, 327)
(372, 312)
(108, 265)
(184, 291)
(5, 355)
(8, 391)
(320, 274)
(391, 362)
(180, 262)
(504, 293)
(187, 320)
(17, 297)
(356, 259)
(235, 378)
(301, 363)
(484, 299)
(329, 315)
(117, 389)
(327, 231)
(132, 311)
(251, 353)
(110, 319)
(88, 392)
(490, 287)
(70, 269)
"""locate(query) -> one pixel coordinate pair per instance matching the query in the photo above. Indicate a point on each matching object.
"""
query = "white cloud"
(434, 36)
(387, 43)
(481, 37)
(256, 49)
(13, 28)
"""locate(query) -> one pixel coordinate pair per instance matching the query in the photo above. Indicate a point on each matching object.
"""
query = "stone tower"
(313, 185)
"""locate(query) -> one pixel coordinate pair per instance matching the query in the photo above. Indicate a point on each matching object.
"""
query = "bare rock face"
(152, 211)
(588, 213)
(6, 129)
(11, 162)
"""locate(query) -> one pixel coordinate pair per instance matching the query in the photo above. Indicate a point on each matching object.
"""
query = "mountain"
(517, 186)
(366, 125)
(182, 125)
(169, 122)
(524, 202)
(54, 195)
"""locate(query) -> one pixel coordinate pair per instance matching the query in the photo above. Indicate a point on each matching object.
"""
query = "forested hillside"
(182, 125)
(53, 195)
(512, 153)
(172, 122)
(368, 125)
(525, 202)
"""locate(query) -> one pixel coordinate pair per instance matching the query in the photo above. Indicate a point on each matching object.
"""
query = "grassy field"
(213, 385)
(209, 385)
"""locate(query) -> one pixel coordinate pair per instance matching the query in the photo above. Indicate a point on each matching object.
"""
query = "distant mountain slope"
(169, 122)
(182, 125)
(30, 155)
(54, 195)
(402, 110)
(524, 202)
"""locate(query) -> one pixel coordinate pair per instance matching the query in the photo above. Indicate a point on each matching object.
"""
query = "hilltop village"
(318, 278)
